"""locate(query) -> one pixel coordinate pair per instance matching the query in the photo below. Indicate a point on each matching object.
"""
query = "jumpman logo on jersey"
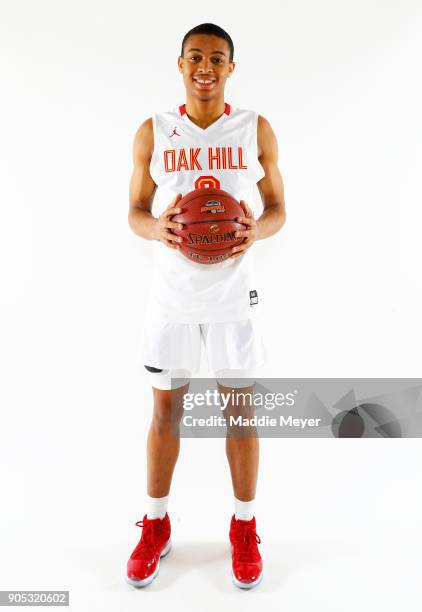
(174, 133)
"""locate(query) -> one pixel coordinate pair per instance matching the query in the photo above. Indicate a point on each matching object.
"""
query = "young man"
(205, 142)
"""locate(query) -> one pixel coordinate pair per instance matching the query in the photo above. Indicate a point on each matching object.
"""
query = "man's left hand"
(251, 233)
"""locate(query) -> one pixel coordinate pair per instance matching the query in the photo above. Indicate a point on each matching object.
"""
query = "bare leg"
(164, 440)
(242, 449)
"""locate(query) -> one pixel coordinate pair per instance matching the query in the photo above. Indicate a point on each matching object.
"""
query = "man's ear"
(232, 66)
(180, 63)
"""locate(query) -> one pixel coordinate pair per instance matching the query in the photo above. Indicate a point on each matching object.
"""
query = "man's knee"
(166, 415)
(162, 421)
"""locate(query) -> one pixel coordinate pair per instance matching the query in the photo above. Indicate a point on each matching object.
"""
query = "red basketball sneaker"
(144, 562)
(246, 560)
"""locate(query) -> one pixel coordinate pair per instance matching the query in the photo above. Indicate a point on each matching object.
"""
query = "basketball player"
(206, 142)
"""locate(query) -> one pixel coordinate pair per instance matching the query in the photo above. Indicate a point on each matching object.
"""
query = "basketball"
(209, 224)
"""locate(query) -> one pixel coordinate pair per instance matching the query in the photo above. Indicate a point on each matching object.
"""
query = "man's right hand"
(164, 225)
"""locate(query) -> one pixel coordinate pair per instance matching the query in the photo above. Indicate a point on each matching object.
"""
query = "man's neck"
(204, 113)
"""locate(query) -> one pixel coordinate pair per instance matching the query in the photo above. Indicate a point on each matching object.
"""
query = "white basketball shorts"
(232, 349)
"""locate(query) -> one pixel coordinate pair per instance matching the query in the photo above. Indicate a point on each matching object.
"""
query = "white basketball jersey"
(187, 157)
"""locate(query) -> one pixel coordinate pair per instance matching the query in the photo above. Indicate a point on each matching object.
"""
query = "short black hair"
(210, 29)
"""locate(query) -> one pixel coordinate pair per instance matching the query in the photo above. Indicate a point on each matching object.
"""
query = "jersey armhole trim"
(259, 168)
(255, 132)
(154, 152)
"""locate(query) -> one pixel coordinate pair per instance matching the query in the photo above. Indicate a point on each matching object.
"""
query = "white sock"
(157, 507)
(243, 510)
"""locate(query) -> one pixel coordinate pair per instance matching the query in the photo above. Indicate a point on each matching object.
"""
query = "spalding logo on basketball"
(204, 240)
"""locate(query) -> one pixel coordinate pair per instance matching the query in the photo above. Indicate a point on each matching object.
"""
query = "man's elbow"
(280, 218)
(134, 218)
(131, 218)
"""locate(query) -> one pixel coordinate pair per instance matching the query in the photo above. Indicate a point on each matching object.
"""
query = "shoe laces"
(147, 544)
(246, 540)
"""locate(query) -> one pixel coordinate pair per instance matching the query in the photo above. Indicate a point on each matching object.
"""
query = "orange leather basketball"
(209, 224)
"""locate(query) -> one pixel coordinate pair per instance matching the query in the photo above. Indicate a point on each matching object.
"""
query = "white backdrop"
(339, 82)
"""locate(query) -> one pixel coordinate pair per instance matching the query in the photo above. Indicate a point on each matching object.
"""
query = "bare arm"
(272, 193)
(141, 193)
(271, 185)
(142, 187)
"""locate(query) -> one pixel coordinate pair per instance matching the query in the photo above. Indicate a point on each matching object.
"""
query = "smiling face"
(205, 66)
